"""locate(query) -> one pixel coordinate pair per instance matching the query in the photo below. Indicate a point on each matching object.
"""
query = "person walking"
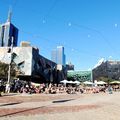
(110, 89)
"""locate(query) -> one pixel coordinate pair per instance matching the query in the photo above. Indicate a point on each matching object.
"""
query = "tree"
(4, 70)
(105, 79)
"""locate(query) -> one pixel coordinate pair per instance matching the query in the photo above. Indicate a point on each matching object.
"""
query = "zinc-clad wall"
(109, 69)
(31, 64)
(23, 58)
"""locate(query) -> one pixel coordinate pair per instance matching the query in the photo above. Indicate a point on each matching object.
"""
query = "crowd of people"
(19, 86)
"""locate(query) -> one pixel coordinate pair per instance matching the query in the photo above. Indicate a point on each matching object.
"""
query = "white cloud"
(89, 69)
(69, 24)
(72, 49)
(44, 21)
(116, 25)
(88, 36)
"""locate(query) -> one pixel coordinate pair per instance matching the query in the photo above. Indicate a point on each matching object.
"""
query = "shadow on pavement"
(22, 111)
(60, 101)
(11, 104)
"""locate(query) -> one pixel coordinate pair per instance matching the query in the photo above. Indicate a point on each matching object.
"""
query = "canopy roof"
(70, 82)
(115, 82)
(101, 83)
(88, 83)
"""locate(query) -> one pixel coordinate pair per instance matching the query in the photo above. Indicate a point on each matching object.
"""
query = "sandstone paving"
(65, 107)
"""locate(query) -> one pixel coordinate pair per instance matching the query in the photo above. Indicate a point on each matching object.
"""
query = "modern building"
(8, 32)
(25, 44)
(30, 65)
(58, 56)
(69, 66)
(54, 56)
(108, 69)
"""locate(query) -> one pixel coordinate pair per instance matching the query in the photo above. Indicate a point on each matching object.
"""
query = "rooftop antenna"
(9, 14)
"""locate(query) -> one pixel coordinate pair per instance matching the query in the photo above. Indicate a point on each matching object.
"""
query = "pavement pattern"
(60, 106)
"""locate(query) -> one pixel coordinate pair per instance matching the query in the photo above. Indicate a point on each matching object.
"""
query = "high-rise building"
(8, 32)
(58, 56)
(54, 56)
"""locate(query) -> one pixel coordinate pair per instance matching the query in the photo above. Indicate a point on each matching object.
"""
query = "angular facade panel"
(109, 69)
(22, 58)
(31, 65)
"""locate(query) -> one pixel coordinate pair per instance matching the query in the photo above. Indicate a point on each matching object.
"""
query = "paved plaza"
(100, 106)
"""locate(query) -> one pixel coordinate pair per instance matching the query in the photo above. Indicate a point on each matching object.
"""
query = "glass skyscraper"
(58, 56)
(54, 56)
(7, 32)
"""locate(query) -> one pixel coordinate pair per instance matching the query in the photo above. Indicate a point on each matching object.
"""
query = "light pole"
(9, 69)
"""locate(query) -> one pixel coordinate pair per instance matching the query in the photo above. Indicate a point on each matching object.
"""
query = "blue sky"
(88, 29)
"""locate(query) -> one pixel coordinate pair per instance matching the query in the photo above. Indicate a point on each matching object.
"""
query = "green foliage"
(4, 70)
(105, 79)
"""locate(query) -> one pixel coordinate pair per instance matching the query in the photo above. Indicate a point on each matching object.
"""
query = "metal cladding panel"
(4, 55)
(23, 58)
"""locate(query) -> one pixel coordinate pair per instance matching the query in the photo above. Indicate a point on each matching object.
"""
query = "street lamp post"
(9, 69)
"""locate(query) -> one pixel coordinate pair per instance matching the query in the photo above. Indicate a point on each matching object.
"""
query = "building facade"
(54, 56)
(30, 65)
(58, 56)
(108, 69)
(69, 66)
(8, 32)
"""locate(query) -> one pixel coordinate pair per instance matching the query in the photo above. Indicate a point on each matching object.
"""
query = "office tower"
(60, 55)
(54, 56)
(8, 32)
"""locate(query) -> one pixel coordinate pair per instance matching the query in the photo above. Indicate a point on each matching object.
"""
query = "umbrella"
(101, 83)
(64, 81)
(115, 82)
(77, 82)
(88, 83)
(71, 82)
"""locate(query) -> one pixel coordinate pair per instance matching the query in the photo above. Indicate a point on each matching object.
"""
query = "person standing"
(110, 89)
(0, 88)
(7, 88)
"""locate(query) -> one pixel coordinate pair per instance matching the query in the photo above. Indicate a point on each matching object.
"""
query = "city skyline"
(89, 30)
